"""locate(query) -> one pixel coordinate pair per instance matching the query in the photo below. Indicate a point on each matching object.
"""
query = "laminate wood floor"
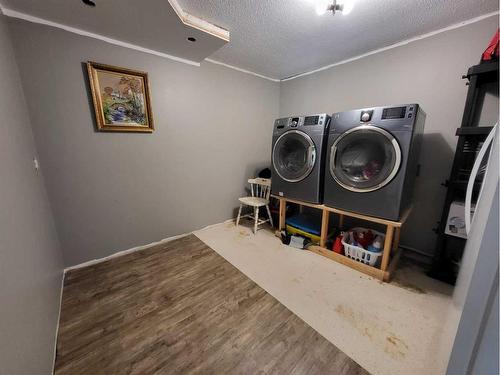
(180, 308)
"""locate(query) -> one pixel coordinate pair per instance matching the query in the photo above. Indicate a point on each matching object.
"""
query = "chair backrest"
(260, 187)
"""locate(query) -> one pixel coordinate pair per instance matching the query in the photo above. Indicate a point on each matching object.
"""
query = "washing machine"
(298, 153)
(372, 159)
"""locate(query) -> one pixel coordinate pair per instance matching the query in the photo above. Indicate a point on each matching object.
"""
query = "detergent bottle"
(337, 245)
(376, 246)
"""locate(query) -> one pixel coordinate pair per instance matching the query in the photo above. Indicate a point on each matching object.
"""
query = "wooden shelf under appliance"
(390, 255)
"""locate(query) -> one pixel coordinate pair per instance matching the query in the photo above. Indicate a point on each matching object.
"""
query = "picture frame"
(121, 97)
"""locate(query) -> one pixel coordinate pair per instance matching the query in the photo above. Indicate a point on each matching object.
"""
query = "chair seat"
(254, 201)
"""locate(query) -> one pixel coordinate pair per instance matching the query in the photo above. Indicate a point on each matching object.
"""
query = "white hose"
(472, 177)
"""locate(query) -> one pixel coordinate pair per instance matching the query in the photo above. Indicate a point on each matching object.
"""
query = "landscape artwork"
(121, 98)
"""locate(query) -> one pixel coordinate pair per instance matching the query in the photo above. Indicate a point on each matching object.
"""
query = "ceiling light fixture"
(323, 6)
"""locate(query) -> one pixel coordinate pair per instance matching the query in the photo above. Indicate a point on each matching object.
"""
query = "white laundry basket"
(357, 252)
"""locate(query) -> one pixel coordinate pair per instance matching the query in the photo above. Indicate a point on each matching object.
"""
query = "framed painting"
(121, 97)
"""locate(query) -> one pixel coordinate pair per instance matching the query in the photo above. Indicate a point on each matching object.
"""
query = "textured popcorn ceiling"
(274, 38)
(282, 38)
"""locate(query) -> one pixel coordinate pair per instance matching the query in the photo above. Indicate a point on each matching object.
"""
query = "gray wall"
(427, 72)
(30, 258)
(112, 191)
(486, 360)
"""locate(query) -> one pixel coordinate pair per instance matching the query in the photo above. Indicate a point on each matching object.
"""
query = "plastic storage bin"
(306, 225)
(357, 252)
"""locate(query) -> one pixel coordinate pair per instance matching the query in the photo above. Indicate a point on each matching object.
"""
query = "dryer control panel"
(393, 118)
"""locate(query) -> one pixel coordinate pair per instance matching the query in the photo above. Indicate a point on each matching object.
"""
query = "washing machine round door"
(294, 156)
(365, 159)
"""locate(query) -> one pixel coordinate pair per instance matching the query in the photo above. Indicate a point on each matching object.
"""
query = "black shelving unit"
(449, 249)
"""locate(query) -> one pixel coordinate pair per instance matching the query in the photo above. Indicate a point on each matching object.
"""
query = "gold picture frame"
(121, 97)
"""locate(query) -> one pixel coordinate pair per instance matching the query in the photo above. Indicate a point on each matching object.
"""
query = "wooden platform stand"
(390, 255)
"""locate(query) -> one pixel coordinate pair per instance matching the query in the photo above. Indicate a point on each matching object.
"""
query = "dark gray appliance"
(372, 159)
(298, 152)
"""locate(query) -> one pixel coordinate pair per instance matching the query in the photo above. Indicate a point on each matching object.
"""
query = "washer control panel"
(299, 121)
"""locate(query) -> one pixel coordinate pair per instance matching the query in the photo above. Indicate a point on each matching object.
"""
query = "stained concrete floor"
(388, 328)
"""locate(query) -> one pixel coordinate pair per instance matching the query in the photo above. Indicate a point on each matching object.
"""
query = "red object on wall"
(492, 51)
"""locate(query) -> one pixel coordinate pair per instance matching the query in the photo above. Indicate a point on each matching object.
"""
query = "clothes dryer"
(372, 159)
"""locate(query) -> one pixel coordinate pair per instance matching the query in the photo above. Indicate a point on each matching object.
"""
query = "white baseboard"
(124, 252)
(137, 248)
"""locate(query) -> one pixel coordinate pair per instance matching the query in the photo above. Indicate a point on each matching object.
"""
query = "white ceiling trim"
(198, 23)
(399, 44)
(29, 18)
(241, 70)
(26, 17)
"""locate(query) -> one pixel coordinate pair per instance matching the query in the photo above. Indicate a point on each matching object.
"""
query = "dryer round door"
(365, 159)
(294, 156)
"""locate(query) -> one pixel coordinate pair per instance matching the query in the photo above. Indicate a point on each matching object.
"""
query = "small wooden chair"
(261, 190)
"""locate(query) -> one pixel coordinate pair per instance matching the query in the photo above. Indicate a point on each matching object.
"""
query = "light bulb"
(320, 10)
(321, 6)
(348, 5)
